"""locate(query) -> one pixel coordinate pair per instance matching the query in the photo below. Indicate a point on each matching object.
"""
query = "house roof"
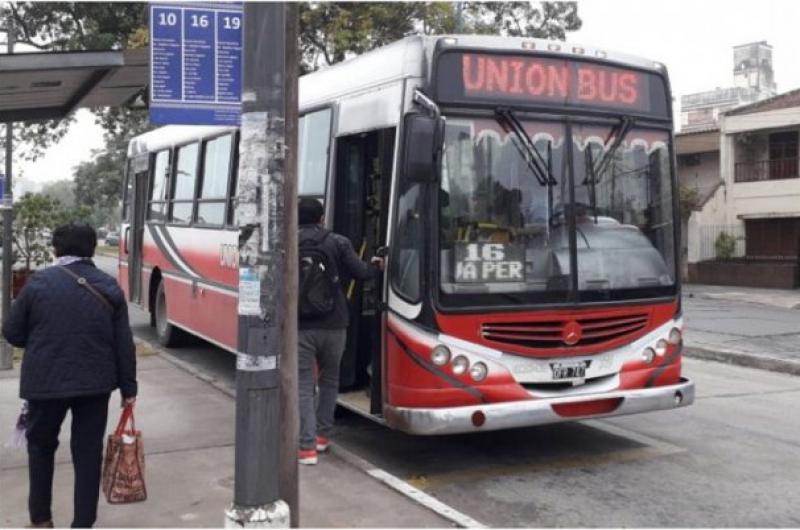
(781, 101)
(702, 141)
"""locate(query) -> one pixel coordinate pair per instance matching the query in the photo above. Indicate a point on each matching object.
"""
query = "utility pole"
(288, 486)
(459, 9)
(6, 350)
(267, 312)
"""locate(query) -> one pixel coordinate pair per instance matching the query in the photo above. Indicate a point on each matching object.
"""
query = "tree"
(332, 32)
(62, 191)
(98, 184)
(36, 216)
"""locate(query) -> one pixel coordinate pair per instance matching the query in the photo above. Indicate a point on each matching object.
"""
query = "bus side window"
(313, 145)
(182, 200)
(407, 246)
(158, 188)
(127, 192)
(233, 186)
(214, 184)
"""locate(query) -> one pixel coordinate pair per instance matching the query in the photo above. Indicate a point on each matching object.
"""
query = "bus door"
(361, 201)
(133, 239)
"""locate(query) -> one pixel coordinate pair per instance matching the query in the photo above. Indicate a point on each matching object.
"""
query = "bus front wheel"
(167, 334)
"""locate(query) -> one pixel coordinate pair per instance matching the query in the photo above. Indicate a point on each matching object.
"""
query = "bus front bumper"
(494, 416)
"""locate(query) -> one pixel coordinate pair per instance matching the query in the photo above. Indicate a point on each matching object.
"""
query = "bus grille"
(550, 334)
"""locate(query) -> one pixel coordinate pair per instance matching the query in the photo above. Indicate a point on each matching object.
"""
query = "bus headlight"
(478, 371)
(674, 336)
(460, 365)
(440, 355)
(661, 347)
(648, 355)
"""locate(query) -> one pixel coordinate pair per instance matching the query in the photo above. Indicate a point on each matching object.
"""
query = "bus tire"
(167, 334)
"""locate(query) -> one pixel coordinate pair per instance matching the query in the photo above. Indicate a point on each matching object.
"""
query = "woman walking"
(72, 320)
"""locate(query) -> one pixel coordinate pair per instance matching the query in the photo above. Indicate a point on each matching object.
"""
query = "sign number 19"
(231, 22)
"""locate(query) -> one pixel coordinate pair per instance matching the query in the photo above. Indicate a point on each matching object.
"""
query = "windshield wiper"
(527, 149)
(618, 132)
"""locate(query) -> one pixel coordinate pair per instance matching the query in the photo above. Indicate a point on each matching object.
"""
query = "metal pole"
(6, 350)
(288, 486)
(262, 283)
(459, 23)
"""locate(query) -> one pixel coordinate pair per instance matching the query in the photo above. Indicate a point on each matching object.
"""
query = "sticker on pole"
(256, 363)
(196, 63)
(249, 292)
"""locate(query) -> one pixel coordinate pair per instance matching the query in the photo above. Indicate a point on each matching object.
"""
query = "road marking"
(460, 519)
(652, 448)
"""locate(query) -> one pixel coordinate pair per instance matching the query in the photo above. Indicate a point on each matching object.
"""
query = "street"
(731, 459)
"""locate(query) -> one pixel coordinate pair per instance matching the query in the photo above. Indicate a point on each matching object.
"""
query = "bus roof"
(407, 58)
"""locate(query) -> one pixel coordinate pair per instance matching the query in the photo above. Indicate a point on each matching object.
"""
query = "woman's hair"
(75, 239)
(309, 211)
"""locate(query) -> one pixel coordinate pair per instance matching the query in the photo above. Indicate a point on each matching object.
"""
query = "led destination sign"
(482, 77)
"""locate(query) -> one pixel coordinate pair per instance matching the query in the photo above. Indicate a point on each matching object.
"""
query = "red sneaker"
(307, 457)
(323, 444)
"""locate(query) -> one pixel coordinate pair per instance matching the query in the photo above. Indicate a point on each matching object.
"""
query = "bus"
(525, 194)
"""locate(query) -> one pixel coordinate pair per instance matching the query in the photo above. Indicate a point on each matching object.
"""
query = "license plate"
(569, 370)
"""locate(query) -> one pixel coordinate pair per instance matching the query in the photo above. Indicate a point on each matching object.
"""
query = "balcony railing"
(781, 168)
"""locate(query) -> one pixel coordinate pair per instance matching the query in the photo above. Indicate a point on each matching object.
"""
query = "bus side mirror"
(422, 145)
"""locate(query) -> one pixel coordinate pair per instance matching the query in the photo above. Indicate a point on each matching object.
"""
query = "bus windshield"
(505, 227)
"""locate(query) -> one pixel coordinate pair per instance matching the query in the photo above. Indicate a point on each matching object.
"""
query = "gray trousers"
(323, 347)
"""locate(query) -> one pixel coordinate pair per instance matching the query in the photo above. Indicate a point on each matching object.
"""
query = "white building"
(753, 80)
(754, 200)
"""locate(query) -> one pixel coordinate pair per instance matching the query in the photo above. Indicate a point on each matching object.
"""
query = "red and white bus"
(526, 193)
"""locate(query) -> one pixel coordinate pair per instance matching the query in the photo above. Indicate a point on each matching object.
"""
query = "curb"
(748, 360)
(458, 519)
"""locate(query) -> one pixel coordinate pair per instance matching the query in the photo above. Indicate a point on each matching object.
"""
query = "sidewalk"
(188, 427)
(783, 298)
(758, 328)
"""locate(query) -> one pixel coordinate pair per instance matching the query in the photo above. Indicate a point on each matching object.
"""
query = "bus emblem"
(571, 333)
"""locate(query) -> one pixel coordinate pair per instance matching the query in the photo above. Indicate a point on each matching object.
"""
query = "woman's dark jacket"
(75, 345)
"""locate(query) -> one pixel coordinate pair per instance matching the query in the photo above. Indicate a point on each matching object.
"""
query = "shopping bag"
(123, 466)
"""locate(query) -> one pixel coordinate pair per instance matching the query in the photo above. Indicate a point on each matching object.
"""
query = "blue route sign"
(196, 63)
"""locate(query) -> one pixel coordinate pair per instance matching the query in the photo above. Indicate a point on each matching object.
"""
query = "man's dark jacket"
(349, 265)
(74, 344)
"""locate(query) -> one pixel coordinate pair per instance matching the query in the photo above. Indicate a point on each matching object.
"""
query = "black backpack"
(319, 277)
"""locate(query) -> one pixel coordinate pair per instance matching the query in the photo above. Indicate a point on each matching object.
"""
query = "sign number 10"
(167, 19)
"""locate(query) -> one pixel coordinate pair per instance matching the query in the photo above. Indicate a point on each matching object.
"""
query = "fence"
(722, 242)
(781, 168)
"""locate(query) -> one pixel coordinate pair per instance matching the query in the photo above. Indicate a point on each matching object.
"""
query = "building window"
(783, 154)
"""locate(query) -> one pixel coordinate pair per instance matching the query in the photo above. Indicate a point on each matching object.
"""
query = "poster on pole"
(195, 63)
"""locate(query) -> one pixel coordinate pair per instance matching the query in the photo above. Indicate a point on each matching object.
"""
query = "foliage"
(725, 245)
(62, 191)
(331, 32)
(689, 199)
(36, 216)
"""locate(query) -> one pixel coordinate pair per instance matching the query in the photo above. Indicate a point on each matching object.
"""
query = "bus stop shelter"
(50, 86)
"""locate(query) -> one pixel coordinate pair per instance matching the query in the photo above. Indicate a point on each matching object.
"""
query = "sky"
(694, 38)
